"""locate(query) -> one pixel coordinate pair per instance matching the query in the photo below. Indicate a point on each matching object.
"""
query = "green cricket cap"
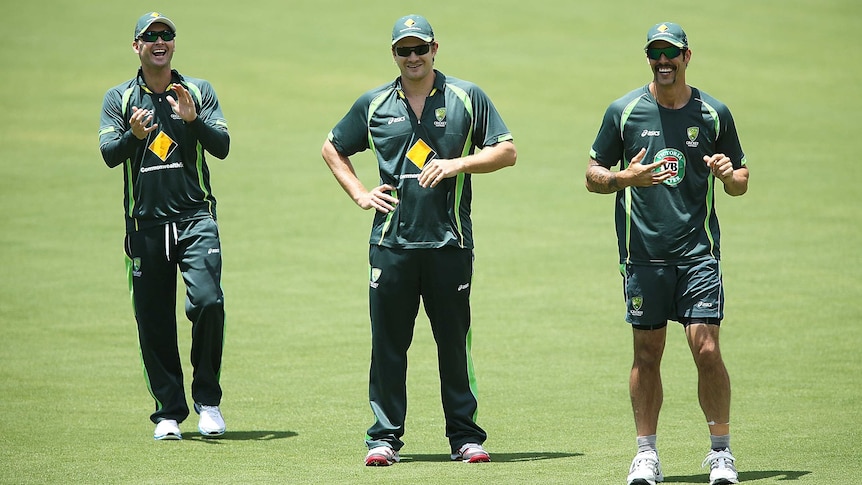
(667, 31)
(412, 26)
(149, 19)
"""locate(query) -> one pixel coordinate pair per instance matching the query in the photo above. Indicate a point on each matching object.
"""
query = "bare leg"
(713, 384)
(645, 388)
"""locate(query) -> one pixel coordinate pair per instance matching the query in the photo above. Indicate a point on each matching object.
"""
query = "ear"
(135, 47)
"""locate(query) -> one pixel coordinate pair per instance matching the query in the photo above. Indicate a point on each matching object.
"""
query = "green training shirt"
(458, 118)
(166, 178)
(675, 222)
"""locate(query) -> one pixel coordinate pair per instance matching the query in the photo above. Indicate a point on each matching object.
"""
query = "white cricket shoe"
(211, 422)
(721, 468)
(167, 429)
(645, 469)
(471, 453)
(381, 456)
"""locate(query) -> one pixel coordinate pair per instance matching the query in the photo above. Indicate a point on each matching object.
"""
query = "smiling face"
(157, 54)
(667, 72)
(414, 67)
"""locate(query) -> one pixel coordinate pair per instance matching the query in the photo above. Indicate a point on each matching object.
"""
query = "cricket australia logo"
(692, 133)
(136, 267)
(637, 305)
(375, 275)
(440, 114)
(673, 160)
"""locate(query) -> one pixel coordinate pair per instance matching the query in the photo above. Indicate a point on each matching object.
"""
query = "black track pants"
(153, 258)
(441, 278)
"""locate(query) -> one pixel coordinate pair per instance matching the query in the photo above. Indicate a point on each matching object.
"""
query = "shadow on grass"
(495, 457)
(746, 476)
(245, 436)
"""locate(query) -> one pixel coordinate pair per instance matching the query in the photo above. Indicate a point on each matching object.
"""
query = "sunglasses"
(671, 52)
(420, 50)
(152, 35)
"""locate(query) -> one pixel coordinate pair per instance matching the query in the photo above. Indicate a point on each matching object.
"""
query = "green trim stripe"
(627, 111)
(710, 192)
(372, 107)
(461, 177)
(471, 373)
(129, 269)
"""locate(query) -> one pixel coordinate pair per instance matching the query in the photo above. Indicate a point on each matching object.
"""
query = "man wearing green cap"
(676, 145)
(158, 126)
(430, 133)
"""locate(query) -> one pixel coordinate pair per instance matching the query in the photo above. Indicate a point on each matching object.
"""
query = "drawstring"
(173, 228)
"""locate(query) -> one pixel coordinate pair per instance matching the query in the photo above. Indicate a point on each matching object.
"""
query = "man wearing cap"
(430, 133)
(158, 126)
(676, 145)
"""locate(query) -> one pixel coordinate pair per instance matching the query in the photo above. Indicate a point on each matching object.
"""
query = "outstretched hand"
(645, 175)
(184, 105)
(139, 122)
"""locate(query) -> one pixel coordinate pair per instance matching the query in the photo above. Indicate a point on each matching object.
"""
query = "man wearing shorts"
(676, 145)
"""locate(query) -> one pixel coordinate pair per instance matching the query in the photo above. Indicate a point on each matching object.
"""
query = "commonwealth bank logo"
(420, 153)
(163, 146)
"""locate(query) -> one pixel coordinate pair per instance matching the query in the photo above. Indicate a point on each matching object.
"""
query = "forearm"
(118, 149)
(490, 159)
(736, 184)
(343, 171)
(214, 139)
(602, 180)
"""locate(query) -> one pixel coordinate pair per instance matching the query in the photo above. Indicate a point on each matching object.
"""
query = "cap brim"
(423, 38)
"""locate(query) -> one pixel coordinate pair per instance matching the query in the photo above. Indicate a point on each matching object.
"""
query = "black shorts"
(692, 293)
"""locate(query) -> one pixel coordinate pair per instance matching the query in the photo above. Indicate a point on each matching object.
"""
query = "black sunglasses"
(420, 50)
(671, 52)
(152, 35)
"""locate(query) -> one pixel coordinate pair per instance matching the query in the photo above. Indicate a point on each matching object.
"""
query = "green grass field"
(551, 349)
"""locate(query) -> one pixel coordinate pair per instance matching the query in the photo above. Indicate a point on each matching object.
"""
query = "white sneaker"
(721, 468)
(471, 453)
(211, 422)
(645, 469)
(167, 429)
(381, 456)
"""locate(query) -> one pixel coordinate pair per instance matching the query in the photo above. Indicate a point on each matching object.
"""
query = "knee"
(648, 357)
(204, 305)
(707, 354)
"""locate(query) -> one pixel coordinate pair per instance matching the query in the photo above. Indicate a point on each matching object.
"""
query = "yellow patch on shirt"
(420, 153)
(162, 146)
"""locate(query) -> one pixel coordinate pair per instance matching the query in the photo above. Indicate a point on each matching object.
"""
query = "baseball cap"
(149, 19)
(667, 31)
(412, 26)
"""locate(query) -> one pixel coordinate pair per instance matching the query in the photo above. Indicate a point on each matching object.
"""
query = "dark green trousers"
(441, 278)
(153, 257)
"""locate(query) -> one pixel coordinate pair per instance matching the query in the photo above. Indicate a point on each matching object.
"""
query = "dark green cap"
(149, 19)
(667, 31)
(412, 26)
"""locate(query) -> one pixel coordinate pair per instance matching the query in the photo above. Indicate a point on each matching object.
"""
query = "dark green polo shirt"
(458, 118)
(675, 222)
(166, 175)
